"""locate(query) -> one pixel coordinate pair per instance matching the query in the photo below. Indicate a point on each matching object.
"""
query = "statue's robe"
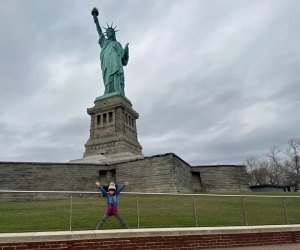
(113, 57)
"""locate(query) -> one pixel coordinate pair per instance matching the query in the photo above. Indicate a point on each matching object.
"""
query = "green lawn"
(153, 210)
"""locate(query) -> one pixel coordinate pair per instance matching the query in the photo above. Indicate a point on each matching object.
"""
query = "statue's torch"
(95, 12)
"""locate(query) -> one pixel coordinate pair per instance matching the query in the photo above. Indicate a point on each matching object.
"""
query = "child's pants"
(105, 217)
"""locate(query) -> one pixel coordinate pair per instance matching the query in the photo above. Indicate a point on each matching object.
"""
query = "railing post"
(137, 211)
(195, 212)
(244, 212)
(284, 210)
(71, 211)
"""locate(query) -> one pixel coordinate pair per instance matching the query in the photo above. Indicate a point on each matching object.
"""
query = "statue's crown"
(110, 27)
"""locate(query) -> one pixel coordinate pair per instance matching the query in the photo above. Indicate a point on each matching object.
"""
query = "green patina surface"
(113, 57)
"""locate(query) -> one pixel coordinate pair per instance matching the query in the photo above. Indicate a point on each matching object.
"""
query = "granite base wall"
(223, 178)
(160, 173)
(48, 176)
(151, 174)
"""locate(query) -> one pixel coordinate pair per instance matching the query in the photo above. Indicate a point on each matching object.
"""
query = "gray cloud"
(213, 81)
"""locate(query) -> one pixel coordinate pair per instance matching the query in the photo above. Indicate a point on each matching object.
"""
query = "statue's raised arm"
(95, 14)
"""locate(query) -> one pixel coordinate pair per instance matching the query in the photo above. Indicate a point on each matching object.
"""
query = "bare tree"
(258, 171)
(286, 170)
(265, 174)
(293, 163)
(251, 165)
(276, 166)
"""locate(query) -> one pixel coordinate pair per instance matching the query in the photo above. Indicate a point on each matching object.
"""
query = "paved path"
(270, 247)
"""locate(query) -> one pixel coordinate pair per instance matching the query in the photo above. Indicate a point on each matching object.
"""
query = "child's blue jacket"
(111, 200)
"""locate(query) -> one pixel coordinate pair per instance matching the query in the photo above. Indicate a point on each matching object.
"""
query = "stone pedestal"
(113, 129)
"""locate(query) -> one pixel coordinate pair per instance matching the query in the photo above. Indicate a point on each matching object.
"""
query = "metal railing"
(22, 211)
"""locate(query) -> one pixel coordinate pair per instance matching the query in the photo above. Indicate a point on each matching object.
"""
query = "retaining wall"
(175, 238)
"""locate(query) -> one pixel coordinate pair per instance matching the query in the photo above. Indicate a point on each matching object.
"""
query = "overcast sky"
(214, 81)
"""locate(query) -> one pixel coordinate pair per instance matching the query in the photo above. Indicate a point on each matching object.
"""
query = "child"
(111, 203)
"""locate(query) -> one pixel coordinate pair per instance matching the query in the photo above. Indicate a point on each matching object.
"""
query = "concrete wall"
(223, 178)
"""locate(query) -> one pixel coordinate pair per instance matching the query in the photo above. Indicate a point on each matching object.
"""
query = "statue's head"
(110, 32)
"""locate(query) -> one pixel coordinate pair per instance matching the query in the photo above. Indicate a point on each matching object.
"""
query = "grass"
(153, 210)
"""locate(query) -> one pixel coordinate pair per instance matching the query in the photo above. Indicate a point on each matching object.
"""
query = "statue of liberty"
(113, 57)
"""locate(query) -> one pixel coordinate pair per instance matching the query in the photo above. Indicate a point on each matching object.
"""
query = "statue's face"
(110, 33)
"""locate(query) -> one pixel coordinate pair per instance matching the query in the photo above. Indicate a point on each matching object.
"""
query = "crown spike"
(112, 23)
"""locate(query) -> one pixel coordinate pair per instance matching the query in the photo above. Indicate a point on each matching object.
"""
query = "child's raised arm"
(122, 187)
(100, 188)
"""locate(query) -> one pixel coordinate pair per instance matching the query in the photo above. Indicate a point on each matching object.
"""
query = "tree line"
(278, 167)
